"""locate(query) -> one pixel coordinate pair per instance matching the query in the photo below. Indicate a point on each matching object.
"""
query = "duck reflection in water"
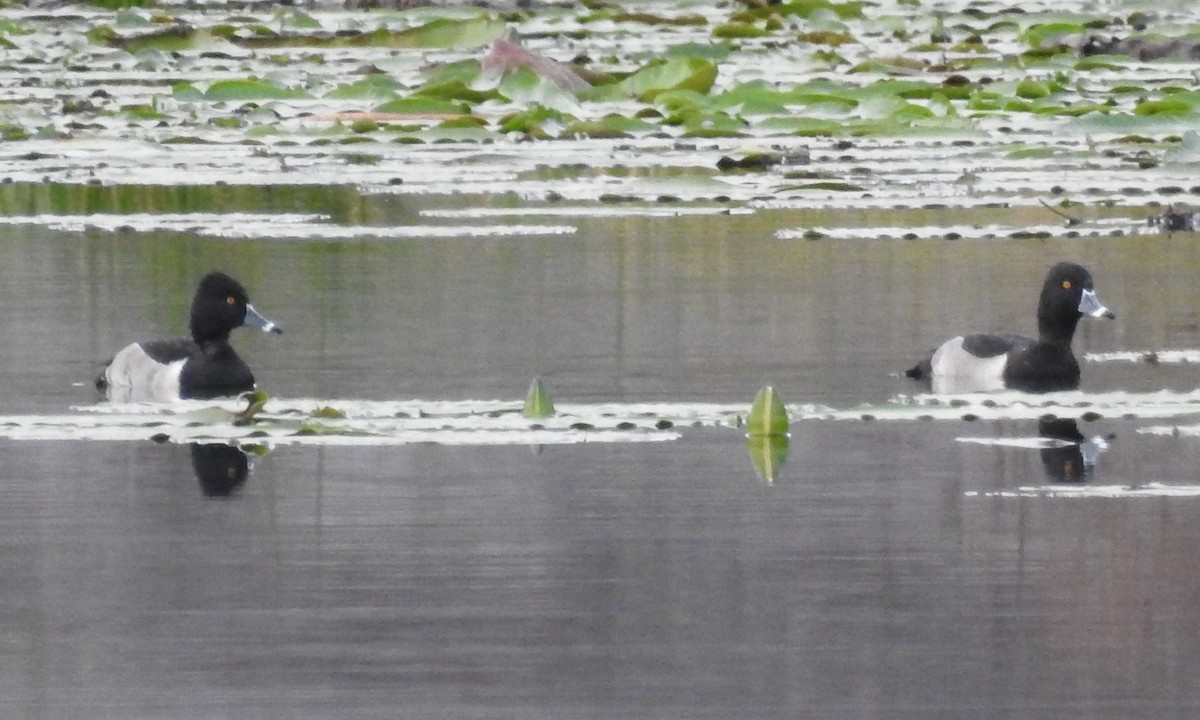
(1073, 460)
(221, 469)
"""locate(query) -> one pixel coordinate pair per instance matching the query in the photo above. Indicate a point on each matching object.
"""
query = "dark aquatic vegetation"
(983, 362)
(203, 367)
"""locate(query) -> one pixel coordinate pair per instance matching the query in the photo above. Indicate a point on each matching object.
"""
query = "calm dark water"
(881, 576)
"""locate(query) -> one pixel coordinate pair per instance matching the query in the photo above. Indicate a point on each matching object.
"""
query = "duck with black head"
(982, 362)
(202, 367)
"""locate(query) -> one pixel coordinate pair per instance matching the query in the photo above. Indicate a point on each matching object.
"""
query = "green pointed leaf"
(767, 455)
(538, 403)
(768, 416)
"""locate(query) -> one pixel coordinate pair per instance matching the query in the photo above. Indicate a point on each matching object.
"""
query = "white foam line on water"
(1189, 431)
(575, 211)
(249, 225)
(225, 434)
(1028, 443)
(1166, 357)
(966, 232)
(979, 406)
(1116, 492)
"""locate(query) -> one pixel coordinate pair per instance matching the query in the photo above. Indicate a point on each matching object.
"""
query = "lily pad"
(250, 89)
(452, 33)
(423, 106)
(679, 73)
(372, 87)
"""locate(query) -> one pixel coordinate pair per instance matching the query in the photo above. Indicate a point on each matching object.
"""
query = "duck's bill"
(254, 320)
(1089, 304)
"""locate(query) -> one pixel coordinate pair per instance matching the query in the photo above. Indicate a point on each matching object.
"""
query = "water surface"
(889, 571)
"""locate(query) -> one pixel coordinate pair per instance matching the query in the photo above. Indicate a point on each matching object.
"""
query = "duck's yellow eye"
(1066, 284)
(229, 300)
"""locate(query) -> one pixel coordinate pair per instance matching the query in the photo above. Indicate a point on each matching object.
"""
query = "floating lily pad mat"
(808, 105)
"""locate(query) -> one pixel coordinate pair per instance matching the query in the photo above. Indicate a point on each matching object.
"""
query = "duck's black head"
(1067, 296)
(220, 305)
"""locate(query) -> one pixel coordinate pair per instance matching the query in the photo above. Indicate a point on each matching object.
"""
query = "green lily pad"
(531, 120)
(708, 51)
(249, 89)
(754, 98)
(372, 87)
(609, 126)
(449, 33)
(186, 92)
(456, 90)
(679, 73)
(1168, 106)
(808, 8)
(463, 71)
(738, 31)
(1032, 89)
(1037, 35)
(422, 106)
(293, 18)
(526, 87)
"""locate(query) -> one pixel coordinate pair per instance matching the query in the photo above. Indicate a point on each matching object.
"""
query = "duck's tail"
(921, 371)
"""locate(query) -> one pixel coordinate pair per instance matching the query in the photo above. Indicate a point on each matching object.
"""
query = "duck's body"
(985, 362)
(203, 367)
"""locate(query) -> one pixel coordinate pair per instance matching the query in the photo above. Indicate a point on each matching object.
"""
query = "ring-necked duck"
(203, 367)
(981, 362)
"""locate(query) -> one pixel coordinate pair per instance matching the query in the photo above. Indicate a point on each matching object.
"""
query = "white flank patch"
(133, 376)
